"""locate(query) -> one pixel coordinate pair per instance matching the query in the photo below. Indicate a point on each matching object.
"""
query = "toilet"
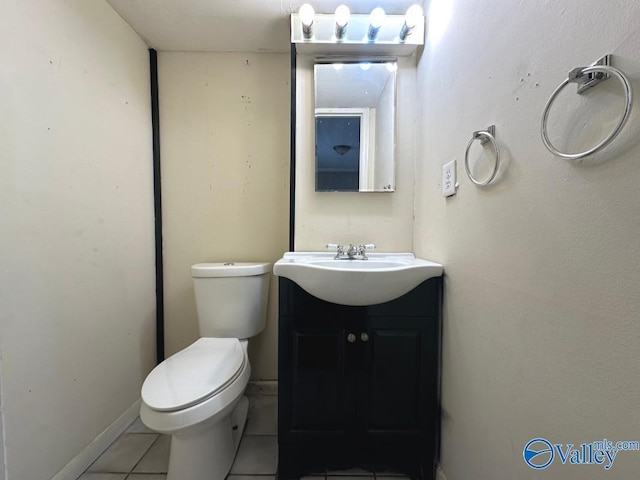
(196, 395)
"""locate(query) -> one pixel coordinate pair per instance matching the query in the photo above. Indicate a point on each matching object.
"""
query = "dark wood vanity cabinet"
(358, 386)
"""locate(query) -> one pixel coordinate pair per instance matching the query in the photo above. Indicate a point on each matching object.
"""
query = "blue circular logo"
(538, 453)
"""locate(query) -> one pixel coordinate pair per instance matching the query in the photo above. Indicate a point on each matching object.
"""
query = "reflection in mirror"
(355, 126)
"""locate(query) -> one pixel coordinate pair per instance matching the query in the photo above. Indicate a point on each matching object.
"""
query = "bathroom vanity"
(359, 338)
(358, 385)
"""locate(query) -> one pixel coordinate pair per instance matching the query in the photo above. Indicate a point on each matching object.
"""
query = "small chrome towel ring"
(484, 136)
(627, 110)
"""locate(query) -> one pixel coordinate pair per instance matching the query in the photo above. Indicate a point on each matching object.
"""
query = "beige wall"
(384, 219)
(541, 331)
(77, 301)
(225, 178)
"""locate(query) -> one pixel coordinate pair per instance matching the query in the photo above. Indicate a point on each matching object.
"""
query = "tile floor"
(140, 454)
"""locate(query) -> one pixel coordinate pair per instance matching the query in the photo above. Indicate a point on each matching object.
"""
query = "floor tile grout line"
(142, 456)
(261, 433)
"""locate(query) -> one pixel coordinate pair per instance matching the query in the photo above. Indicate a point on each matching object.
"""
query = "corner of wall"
(440, 474)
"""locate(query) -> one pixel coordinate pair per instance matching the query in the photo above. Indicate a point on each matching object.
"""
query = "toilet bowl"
(205, 426)
(196, 395)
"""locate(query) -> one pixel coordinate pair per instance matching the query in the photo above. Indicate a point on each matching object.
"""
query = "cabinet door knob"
(351, 338)
(364, 337)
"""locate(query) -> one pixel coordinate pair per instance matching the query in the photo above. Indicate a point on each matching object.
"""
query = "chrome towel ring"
(581, 76)
(484, 136)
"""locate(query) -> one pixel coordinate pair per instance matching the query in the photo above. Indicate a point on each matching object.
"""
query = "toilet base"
(207, 453)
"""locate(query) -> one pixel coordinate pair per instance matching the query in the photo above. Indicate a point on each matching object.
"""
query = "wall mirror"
(355, 118)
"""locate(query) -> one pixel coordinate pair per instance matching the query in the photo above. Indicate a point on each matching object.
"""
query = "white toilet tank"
(231, 298)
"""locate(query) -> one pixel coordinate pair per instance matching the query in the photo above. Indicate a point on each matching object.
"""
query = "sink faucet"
(353, 252)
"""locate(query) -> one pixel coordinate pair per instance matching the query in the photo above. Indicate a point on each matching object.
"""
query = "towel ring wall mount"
(486, 135)
(587, 77)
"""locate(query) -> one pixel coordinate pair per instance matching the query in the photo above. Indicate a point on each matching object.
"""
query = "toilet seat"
(200, 371)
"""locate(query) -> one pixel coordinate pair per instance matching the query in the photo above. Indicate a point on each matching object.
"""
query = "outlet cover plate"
(449, 179)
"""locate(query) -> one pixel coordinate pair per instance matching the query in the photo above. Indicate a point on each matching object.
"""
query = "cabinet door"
(399, 376)
(322, 380)
(393, 378)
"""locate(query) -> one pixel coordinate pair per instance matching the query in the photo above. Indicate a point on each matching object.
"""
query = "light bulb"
(342, 16)
(365, 66)
(307, 15)
(413, 15)
(376, 17)
(375, 22)
(411, 19)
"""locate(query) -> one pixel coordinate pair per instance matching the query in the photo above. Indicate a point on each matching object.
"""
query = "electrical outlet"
(449, 179)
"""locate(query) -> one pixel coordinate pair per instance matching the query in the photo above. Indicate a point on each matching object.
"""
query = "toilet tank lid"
(230, 269)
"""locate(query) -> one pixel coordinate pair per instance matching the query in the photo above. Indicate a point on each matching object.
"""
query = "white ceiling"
(228, 25)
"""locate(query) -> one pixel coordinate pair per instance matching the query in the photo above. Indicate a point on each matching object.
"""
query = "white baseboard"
(91, 452)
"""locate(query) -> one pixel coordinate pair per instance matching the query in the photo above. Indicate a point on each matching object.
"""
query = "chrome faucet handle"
(362, 250)
(338, 248)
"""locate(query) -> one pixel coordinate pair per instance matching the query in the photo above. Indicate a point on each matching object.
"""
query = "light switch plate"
(449, 179)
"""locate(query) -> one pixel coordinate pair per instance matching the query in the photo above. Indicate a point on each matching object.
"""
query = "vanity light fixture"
(411, 19)
(342, 32)
(342, 15)
(376, 19)
(307, 15)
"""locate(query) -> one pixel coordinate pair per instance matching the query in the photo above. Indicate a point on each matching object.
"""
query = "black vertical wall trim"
(157, 204)
(292, 177)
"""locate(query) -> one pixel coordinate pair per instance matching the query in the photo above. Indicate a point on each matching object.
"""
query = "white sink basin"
(381, 278)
